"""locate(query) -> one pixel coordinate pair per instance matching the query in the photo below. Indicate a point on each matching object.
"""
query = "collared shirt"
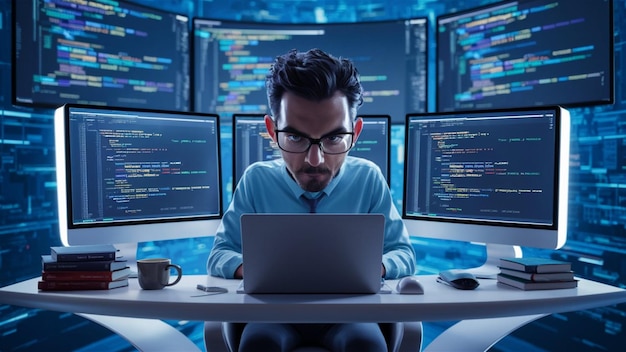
(267, 187)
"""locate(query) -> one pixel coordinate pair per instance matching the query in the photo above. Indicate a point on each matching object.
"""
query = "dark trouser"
(361, 337)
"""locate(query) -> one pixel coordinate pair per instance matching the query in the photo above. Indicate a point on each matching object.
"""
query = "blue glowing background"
(596, 243)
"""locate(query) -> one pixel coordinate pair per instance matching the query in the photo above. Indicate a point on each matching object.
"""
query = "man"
(313, 98)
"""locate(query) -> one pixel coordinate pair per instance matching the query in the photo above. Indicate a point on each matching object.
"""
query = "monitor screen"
(106, 53)
(252, 143)
(493, 176)
(232, 59)
(526, 53)
(374, 142)
(131, 175)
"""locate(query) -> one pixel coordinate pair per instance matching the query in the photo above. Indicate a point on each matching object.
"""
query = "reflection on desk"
(439, 303)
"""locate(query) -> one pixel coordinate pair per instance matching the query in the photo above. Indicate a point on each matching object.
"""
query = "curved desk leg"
(478, 334)
(145, 334)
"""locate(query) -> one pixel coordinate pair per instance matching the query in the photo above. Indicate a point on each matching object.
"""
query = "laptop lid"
(312, 253)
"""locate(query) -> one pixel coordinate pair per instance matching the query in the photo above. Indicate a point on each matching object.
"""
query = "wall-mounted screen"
(232, 59)
(98, 52)
(526, 53)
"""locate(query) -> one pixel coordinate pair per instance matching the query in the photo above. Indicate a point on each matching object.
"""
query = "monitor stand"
(490, 269)
(128, 252)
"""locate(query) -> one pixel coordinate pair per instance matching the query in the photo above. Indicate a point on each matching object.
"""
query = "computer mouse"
(460, 279)
(410, 285)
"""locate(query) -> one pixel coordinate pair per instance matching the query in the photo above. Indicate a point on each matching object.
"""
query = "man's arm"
(398, 253)
(225, 257)
(239, 272)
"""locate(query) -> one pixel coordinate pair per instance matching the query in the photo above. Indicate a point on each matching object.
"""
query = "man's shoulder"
(361, 171)
(259, 174)
(266, 167)
(267, 164)
(357, 162)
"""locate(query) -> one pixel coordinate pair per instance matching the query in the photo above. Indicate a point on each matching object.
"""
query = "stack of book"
(86, 267)
(536, 273)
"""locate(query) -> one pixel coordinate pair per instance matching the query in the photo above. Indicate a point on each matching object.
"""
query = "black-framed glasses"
(335, 143)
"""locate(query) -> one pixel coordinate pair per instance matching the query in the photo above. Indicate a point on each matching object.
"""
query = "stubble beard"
(313, 179)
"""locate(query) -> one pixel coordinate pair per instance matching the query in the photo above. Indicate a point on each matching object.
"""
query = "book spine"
(530, 268)
(534, 269)
(77, 266)
(552, 277)
(553, 268)
(530, 285)
(77, 276)
(72, 285)
(78, 257)
(538, 277)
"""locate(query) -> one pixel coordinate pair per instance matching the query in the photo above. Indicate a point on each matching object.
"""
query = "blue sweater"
(267, 187)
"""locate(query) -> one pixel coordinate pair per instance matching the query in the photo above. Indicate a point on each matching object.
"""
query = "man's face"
(313, 169)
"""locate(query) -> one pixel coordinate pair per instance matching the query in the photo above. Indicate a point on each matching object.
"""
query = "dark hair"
(313, 75)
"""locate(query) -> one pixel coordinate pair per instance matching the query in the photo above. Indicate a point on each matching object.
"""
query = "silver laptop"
(312, 253)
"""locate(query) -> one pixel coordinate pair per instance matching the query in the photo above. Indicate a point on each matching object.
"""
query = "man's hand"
(239, 272)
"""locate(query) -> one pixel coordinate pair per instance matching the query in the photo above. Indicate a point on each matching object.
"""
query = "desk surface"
(439, 303)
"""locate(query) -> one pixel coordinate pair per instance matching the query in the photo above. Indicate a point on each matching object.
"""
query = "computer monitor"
(498, 177)
(374, 142)
(231, 60)
(126, 176)
(252, 143)
(526, 53)
(99, 52)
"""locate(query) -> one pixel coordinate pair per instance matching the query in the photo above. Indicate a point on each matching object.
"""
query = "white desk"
(439, 303)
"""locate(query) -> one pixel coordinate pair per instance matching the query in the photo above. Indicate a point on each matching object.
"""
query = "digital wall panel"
(596, 240)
